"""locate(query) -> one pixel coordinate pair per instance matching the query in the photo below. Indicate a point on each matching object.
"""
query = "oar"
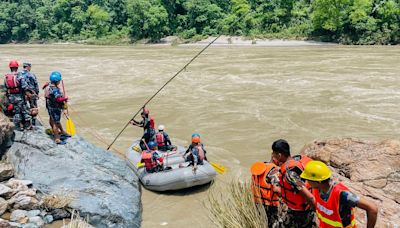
(70, 127)
(218, 167)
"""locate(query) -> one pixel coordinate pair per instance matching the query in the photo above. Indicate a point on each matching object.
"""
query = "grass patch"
(57, 201)
(77, 221)
(232, 206)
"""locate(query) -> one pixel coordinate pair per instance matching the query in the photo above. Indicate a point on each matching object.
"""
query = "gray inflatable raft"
(173, 178)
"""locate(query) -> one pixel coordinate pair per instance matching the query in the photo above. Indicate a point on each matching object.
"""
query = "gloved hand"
(10, 107)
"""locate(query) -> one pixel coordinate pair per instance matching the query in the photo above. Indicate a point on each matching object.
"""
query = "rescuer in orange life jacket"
(151, 159)
(334, 202)
(264, 176)
(295, 193)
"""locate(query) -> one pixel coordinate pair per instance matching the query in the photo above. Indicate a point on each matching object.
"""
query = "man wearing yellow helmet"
(334, 202)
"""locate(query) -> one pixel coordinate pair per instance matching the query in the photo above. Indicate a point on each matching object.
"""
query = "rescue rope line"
(155, 94)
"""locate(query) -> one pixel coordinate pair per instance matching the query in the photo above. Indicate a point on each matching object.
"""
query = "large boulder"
(6, 133)
(102, 186)
(369, 169)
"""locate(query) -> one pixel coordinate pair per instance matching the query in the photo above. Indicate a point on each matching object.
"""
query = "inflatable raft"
(176, 174)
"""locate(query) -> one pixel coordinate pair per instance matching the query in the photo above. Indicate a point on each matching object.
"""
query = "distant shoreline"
(176, 41)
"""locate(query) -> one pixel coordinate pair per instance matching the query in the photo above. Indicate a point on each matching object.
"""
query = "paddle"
(70, 127)
(218, 167)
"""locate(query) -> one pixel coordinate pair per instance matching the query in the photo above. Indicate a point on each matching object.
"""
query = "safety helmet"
(13, 63)
(195, 135)
(55, 76)
(152, 145)
(195, 139)
(146, 111)
(161, 127)
(316, 171)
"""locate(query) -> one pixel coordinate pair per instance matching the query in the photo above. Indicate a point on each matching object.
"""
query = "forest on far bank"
(116, 21)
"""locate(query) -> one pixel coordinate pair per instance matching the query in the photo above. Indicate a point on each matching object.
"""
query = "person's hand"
(194, 168)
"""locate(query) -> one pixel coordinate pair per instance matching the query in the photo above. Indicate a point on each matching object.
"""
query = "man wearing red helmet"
(147, 124)
(13, 84)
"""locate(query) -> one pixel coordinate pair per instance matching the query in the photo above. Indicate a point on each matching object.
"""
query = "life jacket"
(328, 211)
(147, 159)
(151, 122)
(160, 139)
(46, 89)
(50, 98)
(290, 196)
(12, 83)
(200, 150)
(262, 190)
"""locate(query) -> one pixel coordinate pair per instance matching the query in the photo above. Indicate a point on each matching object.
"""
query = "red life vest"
(262, 190)
(160, 139)
(151, 122)
(12, 83)
(147, 159)
(328, 211)
(290, 196)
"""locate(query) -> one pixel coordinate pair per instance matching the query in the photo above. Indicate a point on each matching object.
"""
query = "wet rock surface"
(6, 133)
(369, 169)
(104, 188)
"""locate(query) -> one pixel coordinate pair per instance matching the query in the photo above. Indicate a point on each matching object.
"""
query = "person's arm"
(371, 209)
(167, 140)
(59, 96)
(294, 179)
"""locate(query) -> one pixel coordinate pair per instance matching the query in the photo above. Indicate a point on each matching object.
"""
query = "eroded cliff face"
(369, 169)
(104, 188)
(6, 133)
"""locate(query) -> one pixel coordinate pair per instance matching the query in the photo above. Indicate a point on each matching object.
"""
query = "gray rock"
(33, 213)
(6, 171)
(30, 225)
(103, 185)
(3, 206)
(37, 221)
(4, 223)
(5, 191)
(23, 202)
(17, 215)
(59, 214)
(6, 133)
(48, 219)
(15, 224)
(15, 183)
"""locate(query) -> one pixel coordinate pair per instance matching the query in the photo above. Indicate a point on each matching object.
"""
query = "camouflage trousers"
(21, 112)
(299, 219)
(272, 216)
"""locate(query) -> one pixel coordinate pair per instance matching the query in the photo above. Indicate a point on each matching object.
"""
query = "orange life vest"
(262, 190)
(12, 83)
(149, 163)
(160, 139)
(328, 211)
(290, 196)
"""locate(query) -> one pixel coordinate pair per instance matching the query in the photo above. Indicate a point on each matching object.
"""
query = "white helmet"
(161, 127)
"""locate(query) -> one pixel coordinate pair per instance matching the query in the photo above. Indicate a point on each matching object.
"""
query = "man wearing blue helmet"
(55, 101)
(151, 159)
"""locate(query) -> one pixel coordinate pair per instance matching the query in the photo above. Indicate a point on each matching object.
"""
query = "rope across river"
(155, 94)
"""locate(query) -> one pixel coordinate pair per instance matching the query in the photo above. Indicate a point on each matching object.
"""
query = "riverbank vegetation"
(116, 21)
(232, 205)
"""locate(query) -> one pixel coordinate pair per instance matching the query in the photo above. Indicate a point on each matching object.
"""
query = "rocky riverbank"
(369, 169)
(92, 181)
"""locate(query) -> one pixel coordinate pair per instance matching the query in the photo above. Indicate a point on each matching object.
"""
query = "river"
(240, 99)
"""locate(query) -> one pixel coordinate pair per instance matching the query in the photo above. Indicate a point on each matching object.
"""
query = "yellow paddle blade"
(218, 167)
(139, 165)
(70, 127)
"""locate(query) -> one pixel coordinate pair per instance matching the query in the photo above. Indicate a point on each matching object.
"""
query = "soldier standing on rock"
(13, 83)
(334, 202)
(31, 88)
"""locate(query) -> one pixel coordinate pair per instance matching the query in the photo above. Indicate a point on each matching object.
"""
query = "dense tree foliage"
(344, 21)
